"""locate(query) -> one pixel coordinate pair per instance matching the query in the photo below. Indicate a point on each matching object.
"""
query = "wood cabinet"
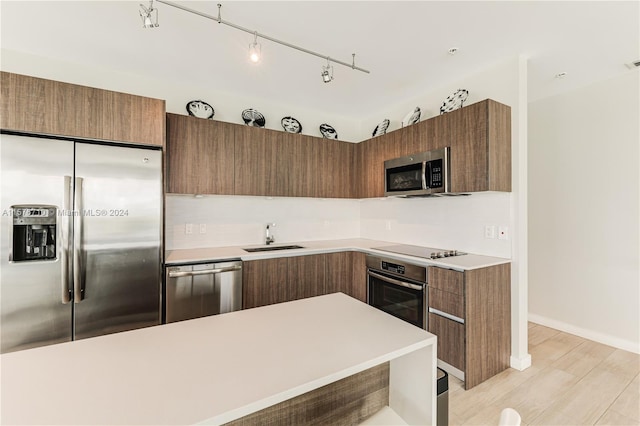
(371, 155)
(212, 157)
(200, 154)
(37, 105)
(480, 139)
(260, 159)
(306, 276)
(264, 282)
(283, 279)
(472, 319)
(479, 136)
(346, 273)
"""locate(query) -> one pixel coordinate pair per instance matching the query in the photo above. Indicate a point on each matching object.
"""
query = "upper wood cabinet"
(275, 163)
(37, 105)
(260, 159)
(200, 155)
(479, 136)
(480, 139)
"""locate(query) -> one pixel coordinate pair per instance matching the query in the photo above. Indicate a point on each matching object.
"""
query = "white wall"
(584, 212)
(228, 106)
(237, 220)
(442, 222)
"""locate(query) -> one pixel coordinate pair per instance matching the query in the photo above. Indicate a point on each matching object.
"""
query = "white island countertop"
(212, 254)
(219, 368)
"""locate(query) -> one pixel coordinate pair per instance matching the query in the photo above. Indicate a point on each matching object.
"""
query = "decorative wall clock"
(200, 109)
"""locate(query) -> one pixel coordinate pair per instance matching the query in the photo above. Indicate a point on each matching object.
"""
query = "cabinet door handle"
(446, 315)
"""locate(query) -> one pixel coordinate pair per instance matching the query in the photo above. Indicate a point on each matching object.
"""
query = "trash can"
(442, 413)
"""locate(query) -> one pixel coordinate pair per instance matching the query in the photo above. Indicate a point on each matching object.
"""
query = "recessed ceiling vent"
(634, 64)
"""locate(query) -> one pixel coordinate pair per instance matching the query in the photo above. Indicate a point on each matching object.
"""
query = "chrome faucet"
(269, 238)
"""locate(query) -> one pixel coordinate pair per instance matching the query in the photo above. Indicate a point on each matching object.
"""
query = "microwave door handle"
(424, 178)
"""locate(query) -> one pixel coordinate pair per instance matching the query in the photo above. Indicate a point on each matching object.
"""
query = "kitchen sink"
(274, 248)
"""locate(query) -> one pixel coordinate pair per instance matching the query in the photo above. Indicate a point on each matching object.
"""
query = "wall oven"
(398, 288)
(425, 173)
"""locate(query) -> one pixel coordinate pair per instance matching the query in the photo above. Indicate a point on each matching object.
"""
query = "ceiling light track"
(256, 34)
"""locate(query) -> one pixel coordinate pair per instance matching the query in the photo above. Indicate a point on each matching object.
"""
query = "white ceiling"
(403, 44)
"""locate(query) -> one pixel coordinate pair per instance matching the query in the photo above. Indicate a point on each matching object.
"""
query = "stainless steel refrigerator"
(81, 240)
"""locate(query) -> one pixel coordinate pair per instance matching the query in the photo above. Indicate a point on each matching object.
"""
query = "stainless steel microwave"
(425, 173)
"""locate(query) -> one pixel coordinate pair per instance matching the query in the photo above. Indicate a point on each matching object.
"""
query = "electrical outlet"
(188, 228)
(203, 228)
(489, 231)
(503, 233)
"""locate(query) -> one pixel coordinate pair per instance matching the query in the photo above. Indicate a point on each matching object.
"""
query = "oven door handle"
(396, 282)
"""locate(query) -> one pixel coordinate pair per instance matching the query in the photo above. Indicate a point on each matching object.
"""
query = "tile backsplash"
(443, 222)
(237, 220)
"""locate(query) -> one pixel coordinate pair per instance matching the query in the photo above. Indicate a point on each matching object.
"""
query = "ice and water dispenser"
(34, 233)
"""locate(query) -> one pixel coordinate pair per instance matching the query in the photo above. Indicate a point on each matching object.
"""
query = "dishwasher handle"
(177, 274)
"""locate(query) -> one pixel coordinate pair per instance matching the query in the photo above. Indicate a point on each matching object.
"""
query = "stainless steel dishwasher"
(198, 290)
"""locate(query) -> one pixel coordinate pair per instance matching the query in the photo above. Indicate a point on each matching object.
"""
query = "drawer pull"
(446, 315)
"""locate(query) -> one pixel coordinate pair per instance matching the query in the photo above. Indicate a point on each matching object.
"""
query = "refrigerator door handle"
(78, 264)
(65, 223)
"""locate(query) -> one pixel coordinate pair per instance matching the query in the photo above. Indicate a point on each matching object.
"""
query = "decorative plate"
(381, 128)
(412, 118)
(253, 118)
(328, 132)
(291, 125)
(454, 101)
(200, 109)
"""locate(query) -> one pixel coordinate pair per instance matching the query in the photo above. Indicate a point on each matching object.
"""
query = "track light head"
(327, 73)
(254, 52)
(255, 49)
(149, 16)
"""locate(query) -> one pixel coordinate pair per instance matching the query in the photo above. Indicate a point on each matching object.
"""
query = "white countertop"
(211, 369)
(212, 254)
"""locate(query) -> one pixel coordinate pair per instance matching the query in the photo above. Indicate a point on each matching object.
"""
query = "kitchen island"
(217, 369)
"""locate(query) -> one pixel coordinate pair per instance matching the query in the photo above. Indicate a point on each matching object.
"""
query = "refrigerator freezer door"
(118, 253)
(34, 306)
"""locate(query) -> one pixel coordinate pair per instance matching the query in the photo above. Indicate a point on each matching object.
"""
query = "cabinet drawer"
(444, 301)
(450, 340)
(446, 280)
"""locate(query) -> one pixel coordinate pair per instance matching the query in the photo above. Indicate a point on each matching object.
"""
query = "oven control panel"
(393, 267)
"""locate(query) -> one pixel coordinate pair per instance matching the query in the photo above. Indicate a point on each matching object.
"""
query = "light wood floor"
(572, 381)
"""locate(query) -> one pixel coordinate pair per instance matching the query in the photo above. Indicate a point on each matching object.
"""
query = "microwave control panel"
(435, 179)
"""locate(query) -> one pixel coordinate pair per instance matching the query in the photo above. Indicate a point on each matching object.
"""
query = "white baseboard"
(520, 363)
(451, 370)
(605, 339)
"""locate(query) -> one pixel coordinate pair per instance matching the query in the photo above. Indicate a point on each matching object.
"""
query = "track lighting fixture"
(327, 72)
(148, 15)
(255, 49)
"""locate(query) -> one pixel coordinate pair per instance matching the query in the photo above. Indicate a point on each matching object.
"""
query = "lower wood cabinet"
(470, 312)
(264, 282)
(269, 281)
(306, 276)
(450, 340)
